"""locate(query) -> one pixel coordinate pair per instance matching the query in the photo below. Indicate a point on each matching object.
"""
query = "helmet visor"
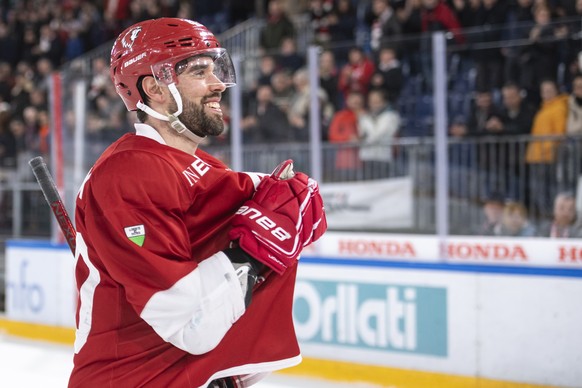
(213, 66)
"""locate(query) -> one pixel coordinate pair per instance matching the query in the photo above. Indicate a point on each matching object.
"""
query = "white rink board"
(502, 327)
(40, 285)
(459, 312)
(392, 300)
(530, 329)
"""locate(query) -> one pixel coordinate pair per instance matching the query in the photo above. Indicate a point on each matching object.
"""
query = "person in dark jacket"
(265, 122)
(514, 118)
(278, 27)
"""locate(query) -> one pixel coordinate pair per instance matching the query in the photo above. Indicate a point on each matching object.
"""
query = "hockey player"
(185, 269)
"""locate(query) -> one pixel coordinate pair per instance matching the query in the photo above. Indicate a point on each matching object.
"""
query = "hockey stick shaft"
(53, 198)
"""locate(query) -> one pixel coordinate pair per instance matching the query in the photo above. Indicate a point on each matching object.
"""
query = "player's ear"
(152, 89)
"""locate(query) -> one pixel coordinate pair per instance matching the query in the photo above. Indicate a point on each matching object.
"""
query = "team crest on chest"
(135, 234)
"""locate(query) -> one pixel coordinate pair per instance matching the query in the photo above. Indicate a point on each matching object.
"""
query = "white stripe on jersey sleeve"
(256, 177)
(196, 312)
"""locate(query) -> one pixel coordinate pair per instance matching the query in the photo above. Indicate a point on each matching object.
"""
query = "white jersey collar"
(148, 131)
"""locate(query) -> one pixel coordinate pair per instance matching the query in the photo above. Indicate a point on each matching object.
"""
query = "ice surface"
(33, 364)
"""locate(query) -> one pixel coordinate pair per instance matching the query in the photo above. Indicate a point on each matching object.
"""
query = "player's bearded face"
(197, 120)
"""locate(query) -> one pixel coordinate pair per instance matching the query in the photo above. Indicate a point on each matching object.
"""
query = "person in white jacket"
(574, 121)
(378, 129)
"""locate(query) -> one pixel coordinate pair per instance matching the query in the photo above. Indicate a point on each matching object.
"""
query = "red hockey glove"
(282, 217)
(314, 212)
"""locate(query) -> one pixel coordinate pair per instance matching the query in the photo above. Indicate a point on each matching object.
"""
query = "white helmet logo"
(132, 37)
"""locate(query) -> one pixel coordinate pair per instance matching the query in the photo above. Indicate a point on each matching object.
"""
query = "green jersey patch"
(136, 234)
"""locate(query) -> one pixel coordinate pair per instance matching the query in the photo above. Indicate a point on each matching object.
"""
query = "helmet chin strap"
(172, 118)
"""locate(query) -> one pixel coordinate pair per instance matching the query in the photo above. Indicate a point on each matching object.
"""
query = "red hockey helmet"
(155, 47)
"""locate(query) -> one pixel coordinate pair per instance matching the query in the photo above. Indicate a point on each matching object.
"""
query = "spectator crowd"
(375, 77)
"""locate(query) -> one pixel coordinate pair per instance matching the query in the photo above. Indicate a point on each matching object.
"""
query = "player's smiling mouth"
(214, 105)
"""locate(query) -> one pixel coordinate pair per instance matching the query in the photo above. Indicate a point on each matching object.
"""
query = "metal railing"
(477, 167)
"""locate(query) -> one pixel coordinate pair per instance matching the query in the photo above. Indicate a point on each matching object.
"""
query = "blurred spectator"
(282, 84)
(299, 108)
(388, 75)
(563, 224)
(514, 221)
(50, 46)
(100, 80)
(7, 140)
(117, 15)
(267, 67)
(278, 26)
(42, 72)
(519, 22)
(240, 11)
(549, 120)
(489, 19)
(410, 18)
(320, 15)
(539, 58)
(435, 15)
(296, 7)
(9, 52)
(288, 58)
(458, 127)
(521, 13)
(18, 131)
(148, 9)
(328, 78)
(465, 11)
(94, 33)
(107, 110)
(514, 118)
(463, 161)
(213, 14)
(31, 130)
(72, 27)
(480, 158)
(356, 74)
(6, 82)
(343, 28)
(43, 132)
(29, 51)
(379, 128)
(516, 114)
(265, 122)
(574, 42)
(344, 129)
(565, 8)
(482, 111)
(574, 121)
(23, 85)
(492, 209)
(186, 11)
(38, 100)
(385, 29)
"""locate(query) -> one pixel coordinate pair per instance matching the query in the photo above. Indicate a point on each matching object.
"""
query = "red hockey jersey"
(159, 304)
